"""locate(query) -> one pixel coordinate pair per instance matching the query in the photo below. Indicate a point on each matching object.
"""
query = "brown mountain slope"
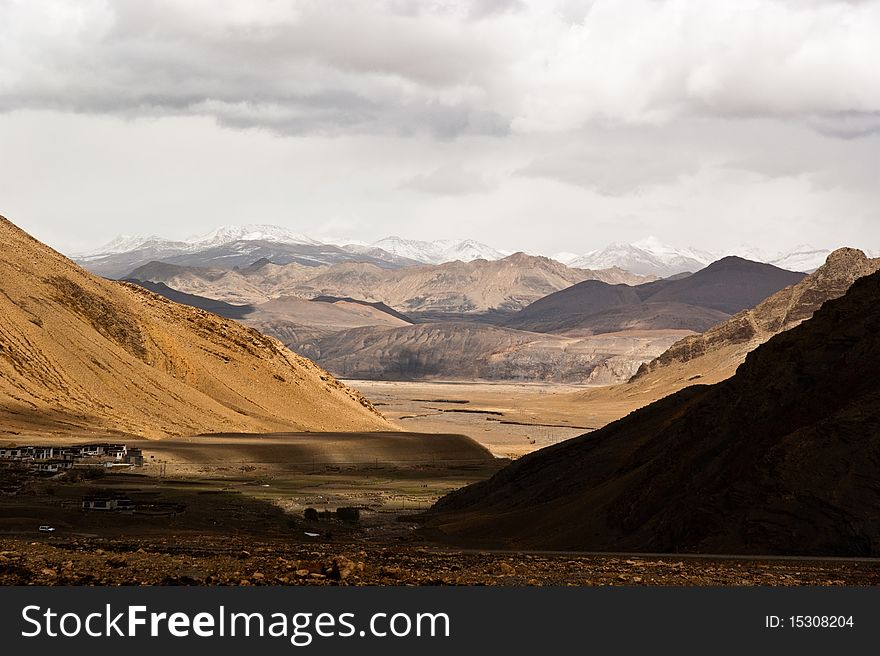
(693, 302)
(472, 287)
(715, 354)
(783, 458)
(79, 353)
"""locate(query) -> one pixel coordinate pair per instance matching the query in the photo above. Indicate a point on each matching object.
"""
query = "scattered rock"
(504, 569)
(390, 572)
(342, 568)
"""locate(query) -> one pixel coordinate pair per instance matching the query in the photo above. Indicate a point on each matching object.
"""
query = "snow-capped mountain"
(652, 257)
(565, 257)
(241, 245)
(747, 252)
(127, 243)
(228, 247)
(218, 237)
(648, 257)
(437, 252)
(803, 258)
(253, 232)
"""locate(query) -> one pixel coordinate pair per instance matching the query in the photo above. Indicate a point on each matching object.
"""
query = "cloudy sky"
(541, 125)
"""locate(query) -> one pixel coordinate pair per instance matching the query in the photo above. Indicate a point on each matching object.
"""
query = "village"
(78, 466)
(56, 459)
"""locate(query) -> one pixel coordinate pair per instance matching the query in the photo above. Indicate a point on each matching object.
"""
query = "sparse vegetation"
(83, 474)
(348, 514)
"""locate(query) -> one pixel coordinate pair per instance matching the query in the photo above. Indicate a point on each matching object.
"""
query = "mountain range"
(478, 286)
(438, 252)
(519, 318)
(236, 246)
(693, 302)
(539, 319)
(652, 257)
(591, 332)
(782, 458)
(361, 320)
(647, 257)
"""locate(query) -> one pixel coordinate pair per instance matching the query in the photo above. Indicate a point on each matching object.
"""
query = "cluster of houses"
(54, 459)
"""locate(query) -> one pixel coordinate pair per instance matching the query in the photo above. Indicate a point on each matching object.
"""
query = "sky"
(538, 125)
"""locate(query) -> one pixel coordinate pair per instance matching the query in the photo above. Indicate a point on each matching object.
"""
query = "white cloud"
(308, 66)
(544, 125)
(646, 61)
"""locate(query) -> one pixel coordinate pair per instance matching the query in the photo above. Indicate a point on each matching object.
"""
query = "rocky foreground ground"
(209, 560)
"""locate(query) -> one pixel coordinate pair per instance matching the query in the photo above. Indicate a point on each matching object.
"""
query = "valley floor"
(509, 419)
(228, 509)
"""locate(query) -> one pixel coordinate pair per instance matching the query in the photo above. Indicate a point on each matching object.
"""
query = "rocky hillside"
(82, 354)
(298, 323)
(354, 336)
(782, 458)
(472, 351)
(715, 354)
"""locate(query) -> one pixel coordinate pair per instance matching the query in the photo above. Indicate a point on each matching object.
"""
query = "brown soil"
(80, 353)
(214, 560)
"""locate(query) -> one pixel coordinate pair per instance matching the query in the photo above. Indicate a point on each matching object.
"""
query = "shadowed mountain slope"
(193, 300)
(783, 458)
(692, 302)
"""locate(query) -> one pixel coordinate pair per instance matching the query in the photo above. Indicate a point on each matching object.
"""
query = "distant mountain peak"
(651, 243)
(250, 232)
(648, 256)
(439, 251)
(122, 244)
